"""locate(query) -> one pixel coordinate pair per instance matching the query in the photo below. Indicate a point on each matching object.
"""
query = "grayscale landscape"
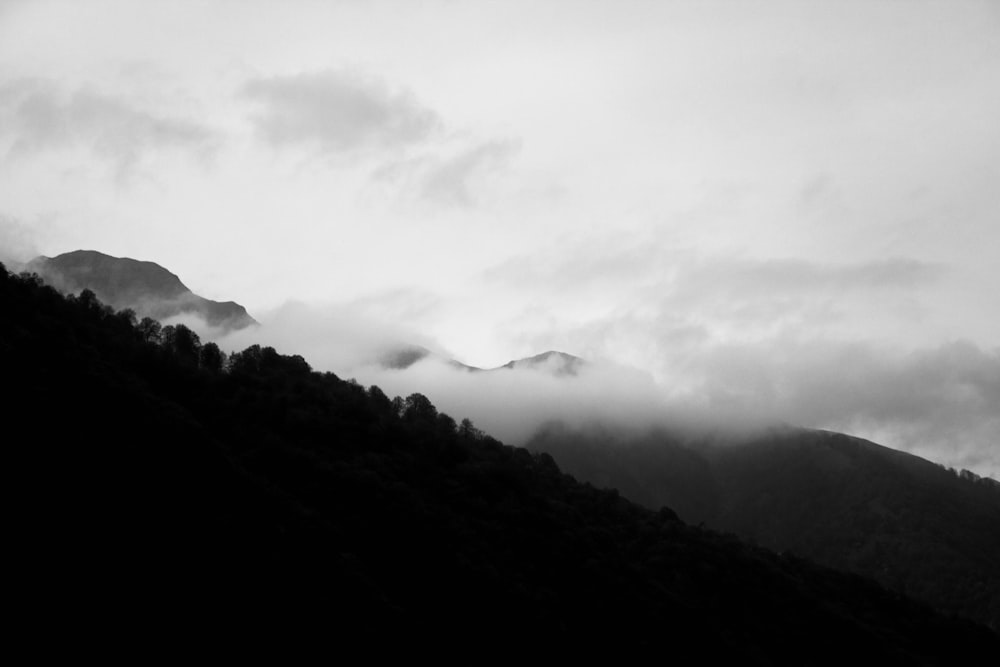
(422, 328)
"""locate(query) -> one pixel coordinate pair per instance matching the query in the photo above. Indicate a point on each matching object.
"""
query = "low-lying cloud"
(339, 338)
(352, 340)
(942, 403)
(17, 243)
(653, 362)
(512, 404)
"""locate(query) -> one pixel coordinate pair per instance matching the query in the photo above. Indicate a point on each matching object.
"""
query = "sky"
(781, 209)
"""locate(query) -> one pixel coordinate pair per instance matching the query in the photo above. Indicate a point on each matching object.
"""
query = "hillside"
(848, 503)
(165, 493)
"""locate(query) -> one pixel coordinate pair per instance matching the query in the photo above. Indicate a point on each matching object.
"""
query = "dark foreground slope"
(845, 502)
(146, 287)
(160, 498)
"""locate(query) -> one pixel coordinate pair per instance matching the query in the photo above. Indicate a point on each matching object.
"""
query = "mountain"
(147, 288)
(556, 363)
(848, 503)
(403, 356)
(161, 500)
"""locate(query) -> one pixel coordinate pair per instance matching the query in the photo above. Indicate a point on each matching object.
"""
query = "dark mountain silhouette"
(163, 495)
(915, 526)
(145, 287)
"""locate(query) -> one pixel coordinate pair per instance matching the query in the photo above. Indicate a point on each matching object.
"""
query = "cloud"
(332, 337)
(773, 293)
(7, 7)
(941, 402)
(512, 404)
(630, 259)
(345, 115)
(17, 243)
(452, 179)
(589, 263)
(38, 117)
(795, 275)
(352, 339)
(634, 288)
(337, 112)
(849, 345)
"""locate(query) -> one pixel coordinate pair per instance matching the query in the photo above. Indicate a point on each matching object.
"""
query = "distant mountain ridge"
(146, 287)
(842, 501)
(555, 362)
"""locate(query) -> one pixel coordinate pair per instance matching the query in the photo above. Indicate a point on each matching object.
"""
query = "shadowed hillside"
(165, 492)
(842, 501)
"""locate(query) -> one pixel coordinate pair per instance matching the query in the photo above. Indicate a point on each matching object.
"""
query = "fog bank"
(942, 403)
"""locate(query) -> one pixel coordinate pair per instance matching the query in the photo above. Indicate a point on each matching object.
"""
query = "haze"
(786, 209)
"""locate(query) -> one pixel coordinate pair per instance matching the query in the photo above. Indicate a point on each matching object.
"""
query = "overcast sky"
(784, 207)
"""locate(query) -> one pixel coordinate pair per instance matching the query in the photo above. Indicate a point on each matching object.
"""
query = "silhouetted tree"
(183, 342)
(212, 358)
(445, 424)
(378, 398)
(127, 316)
(419, 408)
(150, 330)
(88, 300)
(32, 279)
(247, 361)
(467, 430)
(398, 406)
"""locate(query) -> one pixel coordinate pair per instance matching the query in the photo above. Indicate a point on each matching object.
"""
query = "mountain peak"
(146, 287)
(556, 362)
(120, 277)
(401, 357)
(553, 361)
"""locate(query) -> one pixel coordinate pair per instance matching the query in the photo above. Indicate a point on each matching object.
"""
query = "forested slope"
(914, 526)
(163, 492)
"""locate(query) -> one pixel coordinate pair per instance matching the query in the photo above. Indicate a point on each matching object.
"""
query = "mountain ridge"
(146, 287)
(704, 484)
(842, 501)
(552, 361)
(262, 499)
